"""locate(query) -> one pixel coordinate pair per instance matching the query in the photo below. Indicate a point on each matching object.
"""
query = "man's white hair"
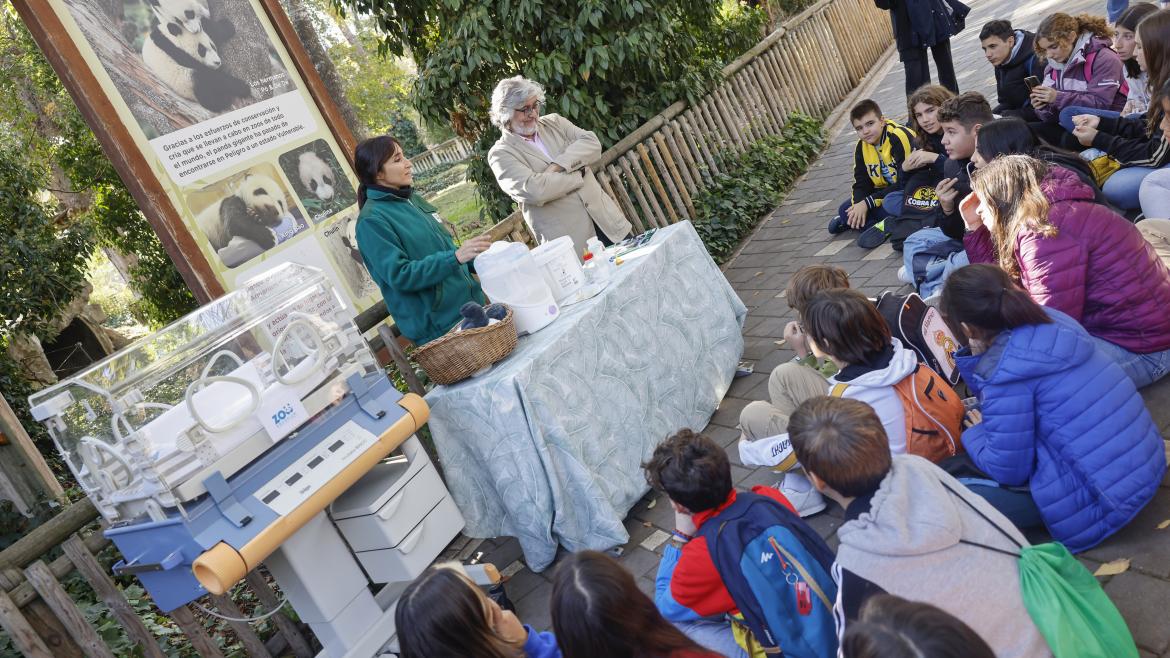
(510, 94)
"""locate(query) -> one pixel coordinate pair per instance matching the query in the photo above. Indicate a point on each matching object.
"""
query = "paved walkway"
(795, 236)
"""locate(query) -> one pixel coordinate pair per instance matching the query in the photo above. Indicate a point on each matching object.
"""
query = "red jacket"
(688, 584)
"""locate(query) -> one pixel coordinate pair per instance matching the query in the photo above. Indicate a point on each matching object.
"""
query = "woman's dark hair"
(368, 158)
(1012, 136)
(691, 469)
(598, 610)
(892, 627)
(985, 297)
(846, 325)
(442, 613)
(1129, 20)
(1154, 31)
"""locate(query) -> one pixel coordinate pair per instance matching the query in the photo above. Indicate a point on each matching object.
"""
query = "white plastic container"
(558, 263)
(509, 275)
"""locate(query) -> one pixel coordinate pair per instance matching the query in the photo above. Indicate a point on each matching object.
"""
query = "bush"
(440, 178)
(753, 184)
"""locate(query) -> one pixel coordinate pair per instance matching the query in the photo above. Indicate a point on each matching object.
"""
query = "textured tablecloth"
(548, 445)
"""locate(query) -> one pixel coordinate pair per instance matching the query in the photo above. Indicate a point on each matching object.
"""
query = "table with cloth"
(547, 446)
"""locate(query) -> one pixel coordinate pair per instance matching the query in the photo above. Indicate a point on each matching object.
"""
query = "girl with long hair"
(1060, 426)
(922, 109)
(1011, 135)
(1081, 69)
(1041, 225)
(443, 613)
(424, 277)
(1136, 141)
(598, 610)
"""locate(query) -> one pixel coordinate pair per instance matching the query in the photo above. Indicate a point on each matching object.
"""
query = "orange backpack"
(934, 414)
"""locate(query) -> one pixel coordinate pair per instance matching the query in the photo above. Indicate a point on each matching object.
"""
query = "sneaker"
(873, 236)
(903, 277)
(838, 224)
(807, 502)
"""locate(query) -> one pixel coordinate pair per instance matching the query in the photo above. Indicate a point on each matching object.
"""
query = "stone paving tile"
(1142, 601)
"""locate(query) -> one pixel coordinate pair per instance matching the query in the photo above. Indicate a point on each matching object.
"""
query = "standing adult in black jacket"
(922, 24)
(1013, 54)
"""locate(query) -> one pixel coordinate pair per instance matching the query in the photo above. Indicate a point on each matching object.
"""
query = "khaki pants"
(1157, 233)
(789, 385)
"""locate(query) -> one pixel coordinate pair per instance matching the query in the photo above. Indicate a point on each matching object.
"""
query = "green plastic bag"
(1064, 600)
(1069, 607)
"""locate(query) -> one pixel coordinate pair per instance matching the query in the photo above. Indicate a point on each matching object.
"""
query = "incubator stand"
(219, 442)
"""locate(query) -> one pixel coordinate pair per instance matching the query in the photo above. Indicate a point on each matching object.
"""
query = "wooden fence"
(453, 150)
(808, 65)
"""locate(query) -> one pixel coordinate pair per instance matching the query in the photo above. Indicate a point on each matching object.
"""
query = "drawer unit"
(418, 549)
(388, 525)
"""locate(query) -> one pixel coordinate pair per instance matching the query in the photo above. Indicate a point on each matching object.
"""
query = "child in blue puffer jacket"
(1058, 415)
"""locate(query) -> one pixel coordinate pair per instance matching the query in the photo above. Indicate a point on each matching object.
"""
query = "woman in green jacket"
(423, 276)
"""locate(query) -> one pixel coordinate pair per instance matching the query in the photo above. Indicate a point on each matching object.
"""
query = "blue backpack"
(776, 569)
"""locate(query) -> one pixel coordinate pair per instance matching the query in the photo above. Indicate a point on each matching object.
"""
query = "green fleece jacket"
(412, 259)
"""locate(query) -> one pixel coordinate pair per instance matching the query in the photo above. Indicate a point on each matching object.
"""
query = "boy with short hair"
(960, 117)
(695, 474)
(911, 529)
(1012, 53)
(877, 164)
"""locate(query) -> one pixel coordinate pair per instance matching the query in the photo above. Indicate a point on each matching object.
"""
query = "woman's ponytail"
(984, 296)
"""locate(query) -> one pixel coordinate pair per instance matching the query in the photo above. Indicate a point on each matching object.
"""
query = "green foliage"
(606, 66)
(753, 184)
(43, 118)
(440, 178)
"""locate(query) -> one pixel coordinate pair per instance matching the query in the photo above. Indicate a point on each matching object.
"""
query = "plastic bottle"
(598, 268)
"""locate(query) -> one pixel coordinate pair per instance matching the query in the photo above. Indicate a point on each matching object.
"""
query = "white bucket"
(509, 275)
(557, 262)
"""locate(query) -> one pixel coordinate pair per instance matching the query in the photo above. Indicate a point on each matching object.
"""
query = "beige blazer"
(556, 204)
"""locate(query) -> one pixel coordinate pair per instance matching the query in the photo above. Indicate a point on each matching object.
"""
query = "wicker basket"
(457, 355)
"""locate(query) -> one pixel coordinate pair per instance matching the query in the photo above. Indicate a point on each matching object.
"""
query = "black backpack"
(922, 329)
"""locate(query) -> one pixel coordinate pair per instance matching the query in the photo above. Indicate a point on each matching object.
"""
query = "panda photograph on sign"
(340, 241)
(246, 214)
(318, 180)
(177, 63)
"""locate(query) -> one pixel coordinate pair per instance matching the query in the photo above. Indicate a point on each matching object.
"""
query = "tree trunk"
(298, 13)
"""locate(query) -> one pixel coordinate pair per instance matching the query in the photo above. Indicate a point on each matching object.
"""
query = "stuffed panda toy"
(188, 13)
(255, 207)
(188, 62)
(316, 176)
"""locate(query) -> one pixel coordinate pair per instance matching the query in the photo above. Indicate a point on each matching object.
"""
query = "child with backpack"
(784, 601)
(920, 411)
(1057, 416)
(911, 530)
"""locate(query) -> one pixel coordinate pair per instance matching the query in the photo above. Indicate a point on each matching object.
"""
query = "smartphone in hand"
(1032, 82)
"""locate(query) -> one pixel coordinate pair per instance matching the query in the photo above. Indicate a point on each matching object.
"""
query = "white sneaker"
(903, 277)
(807, 502)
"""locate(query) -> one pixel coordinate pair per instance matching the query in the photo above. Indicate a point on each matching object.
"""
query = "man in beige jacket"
(542, 162)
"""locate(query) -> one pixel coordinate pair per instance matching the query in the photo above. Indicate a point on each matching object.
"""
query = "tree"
(606, 65)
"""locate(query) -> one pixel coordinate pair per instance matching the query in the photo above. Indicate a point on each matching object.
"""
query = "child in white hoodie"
(846, 328)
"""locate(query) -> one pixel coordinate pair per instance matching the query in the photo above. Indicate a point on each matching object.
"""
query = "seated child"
(1013, 54)
(1058, 416)
(906, 527)
(924, 167)
(892, 627)
(443, 613)
(695, 474)
(877, 163)
(845, 328)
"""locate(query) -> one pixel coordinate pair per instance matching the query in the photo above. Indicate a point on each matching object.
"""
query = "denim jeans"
(1143, 369)
(1017, 506)
(938, 268)
(1067, 114)
(891, 206)
(714, 634)
(1114, 9)
(1122, 188)
(1154, 194)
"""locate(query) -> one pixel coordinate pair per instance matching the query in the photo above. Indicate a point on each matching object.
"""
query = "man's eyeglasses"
(534, 108)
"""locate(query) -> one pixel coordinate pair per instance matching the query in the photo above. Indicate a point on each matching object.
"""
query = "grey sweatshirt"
(907, 543)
